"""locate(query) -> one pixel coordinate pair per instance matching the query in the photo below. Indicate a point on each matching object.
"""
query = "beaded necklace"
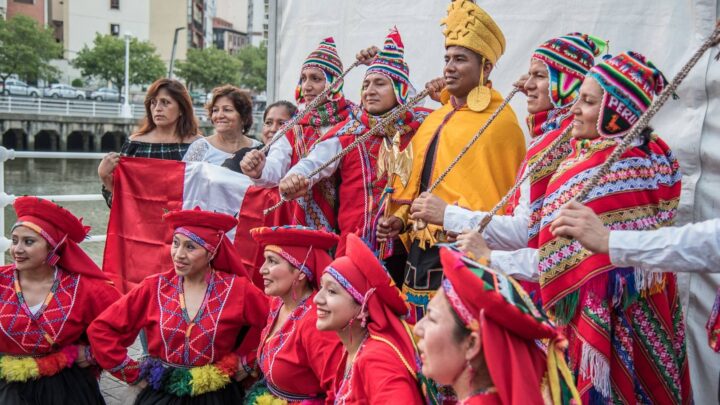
(46, 302)
(477, 393)
(342, 392)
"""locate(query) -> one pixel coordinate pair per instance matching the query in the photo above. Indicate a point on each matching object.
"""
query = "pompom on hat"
(62, 230)
(568, 59)
(304, 248)
(209, 229)
(509, 324)
(325, 57)
(390, 62)
(469, 26)
(629, 82)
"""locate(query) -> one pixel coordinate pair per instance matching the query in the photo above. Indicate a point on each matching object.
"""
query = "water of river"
(59, 176)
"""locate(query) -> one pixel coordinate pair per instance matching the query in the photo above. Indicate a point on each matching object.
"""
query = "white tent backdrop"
(667, 31)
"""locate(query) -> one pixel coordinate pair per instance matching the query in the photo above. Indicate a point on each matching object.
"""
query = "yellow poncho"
(481, 177)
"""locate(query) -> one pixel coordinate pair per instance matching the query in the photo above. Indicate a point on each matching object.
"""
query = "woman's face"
(189, 258)
(165, 110)
(28, 249)
(274, 119)
(443, 357)
(378, 95)
(225, 117)
(335, 306)
(537, 87)
(312, 82)
(587, 110)
(279, 276)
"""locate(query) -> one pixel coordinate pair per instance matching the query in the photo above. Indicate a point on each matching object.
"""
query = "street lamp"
(172, 53)
(126, 110)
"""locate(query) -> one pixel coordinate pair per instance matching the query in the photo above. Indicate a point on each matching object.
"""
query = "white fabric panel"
(214, 188)
(667, 31)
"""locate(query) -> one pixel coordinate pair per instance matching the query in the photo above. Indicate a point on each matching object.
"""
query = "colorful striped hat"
(568, 59)
(325, 58)
(630, 81)
(390, 62)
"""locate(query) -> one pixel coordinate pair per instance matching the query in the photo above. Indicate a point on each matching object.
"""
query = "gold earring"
(479, 98)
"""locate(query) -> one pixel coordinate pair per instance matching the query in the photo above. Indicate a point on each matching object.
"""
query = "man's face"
(462, 70)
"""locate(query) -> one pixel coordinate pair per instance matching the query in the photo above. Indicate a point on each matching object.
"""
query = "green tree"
(253, 67)
(106, 61)
(208, 68)
(26, 50)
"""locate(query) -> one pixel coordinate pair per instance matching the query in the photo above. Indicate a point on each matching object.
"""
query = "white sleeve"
(277, 163)
(693, 248)
(320, 153)
(504, 232)
(522, 264)
(197, 151)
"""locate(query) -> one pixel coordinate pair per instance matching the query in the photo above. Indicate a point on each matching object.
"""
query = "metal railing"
(74, 108)
(7, 199)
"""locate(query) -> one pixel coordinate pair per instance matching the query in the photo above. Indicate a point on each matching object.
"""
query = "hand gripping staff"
(313, 105)
(420, 224)
(380, 126)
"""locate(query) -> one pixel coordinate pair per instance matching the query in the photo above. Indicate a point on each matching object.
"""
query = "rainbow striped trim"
(195, 238)
(359, 298)
(471, 322)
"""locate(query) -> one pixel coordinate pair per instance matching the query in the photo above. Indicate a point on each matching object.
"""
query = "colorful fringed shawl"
(317, 211)
(624, 325)
(362, 192)
(713, 325)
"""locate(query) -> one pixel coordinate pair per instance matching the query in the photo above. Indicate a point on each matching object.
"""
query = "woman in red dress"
(48, 297)
(297, 360)
(360, 302)
(202, 320)
(479, 336)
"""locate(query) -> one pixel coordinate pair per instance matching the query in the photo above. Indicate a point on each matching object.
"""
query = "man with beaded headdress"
(386, 86)
(473, 43)
(321, 69)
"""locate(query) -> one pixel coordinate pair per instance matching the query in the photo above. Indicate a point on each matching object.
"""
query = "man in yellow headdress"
(473, 44)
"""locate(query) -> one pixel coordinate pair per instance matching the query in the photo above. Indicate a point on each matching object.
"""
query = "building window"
(115, 4)
(115, 30)
(25, 1)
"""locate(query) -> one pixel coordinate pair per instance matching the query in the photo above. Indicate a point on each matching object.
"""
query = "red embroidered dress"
(74, 302)
(231, 303)
(377, 376)
(299, 361)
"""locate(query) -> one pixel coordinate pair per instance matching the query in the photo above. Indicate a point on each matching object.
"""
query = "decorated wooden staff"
(645, 118)
(378, 128)
(396, 164)
(421, 224)
(311, 106)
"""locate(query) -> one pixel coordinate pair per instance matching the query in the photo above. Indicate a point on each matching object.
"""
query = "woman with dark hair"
(275, 116)
(49, 296)
(481, 336)
(166, 133)
(230, 111)
(202, 319)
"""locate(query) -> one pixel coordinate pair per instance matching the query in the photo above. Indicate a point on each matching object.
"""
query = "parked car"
(106, 94)
(64, 91)
(14, 87)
